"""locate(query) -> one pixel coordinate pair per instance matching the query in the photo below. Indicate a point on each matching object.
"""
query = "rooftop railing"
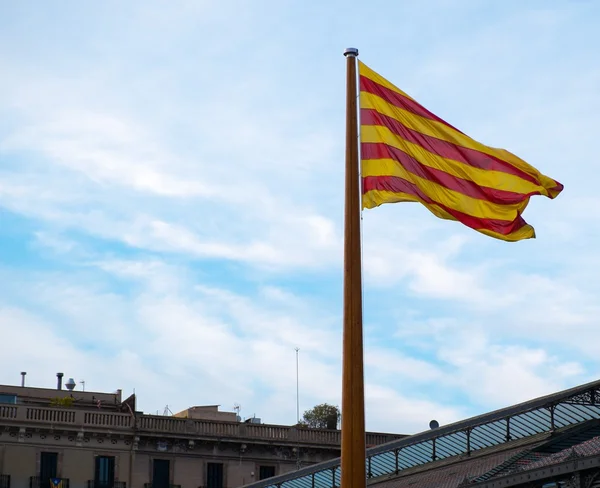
(174, 426)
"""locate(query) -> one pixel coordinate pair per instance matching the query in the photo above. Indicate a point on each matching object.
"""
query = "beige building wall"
(285, 468)
(122, 460)
(77, 463)
(18, 461)
(241, 473)
(189, 471)
(141, 470)
(78, 466)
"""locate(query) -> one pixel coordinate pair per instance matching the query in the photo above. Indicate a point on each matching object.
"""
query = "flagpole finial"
(351, 51)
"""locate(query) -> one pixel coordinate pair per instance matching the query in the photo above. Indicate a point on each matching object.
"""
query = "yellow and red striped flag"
(409, 154)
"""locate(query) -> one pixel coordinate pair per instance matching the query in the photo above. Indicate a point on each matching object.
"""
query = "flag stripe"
(364, 70)
(490, 179)
(440, 131)
(446, 149)
(482, 209)
(399, 100)
(394, 189)
(381, 160)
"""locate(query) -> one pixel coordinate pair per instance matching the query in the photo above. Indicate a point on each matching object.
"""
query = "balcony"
(114, 484)
(152, 485)
(37, 482)
(4, 481)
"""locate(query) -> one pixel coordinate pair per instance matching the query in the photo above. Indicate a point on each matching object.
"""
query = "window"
(161, 473)
(8, 398)
(214, 475)
(266, 472)
(104, 476)
(48, 468)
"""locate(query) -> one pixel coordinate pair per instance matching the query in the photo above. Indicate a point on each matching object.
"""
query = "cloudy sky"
(171, 203)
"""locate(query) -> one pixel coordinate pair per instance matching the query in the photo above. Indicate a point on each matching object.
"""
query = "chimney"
(23, 373)
(59, 377)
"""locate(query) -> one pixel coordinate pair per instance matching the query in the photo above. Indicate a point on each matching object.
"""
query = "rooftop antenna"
(237, 407)
(298, 462)
(297, 349)
(82, 383)
(167, 411)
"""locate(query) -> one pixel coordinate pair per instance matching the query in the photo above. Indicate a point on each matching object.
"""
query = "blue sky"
(171, 178)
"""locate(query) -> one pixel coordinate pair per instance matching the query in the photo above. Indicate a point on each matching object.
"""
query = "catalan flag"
(409, 154)
(56, 483)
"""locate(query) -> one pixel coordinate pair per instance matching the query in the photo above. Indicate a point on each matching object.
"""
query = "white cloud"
(505, 374)
(388, 407)
(387, 362)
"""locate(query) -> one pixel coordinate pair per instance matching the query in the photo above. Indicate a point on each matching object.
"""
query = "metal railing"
(37, 482)
(152, 485)
(545, 414)
(114, 484)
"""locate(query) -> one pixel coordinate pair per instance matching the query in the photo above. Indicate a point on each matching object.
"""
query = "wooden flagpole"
(353, 402)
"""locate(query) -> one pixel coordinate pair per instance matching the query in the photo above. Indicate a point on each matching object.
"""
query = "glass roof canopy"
(545, 414)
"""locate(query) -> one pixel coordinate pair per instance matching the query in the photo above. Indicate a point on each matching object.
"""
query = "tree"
(322, 416)
(66, 402)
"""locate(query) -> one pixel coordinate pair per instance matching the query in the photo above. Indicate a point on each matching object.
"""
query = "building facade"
(78, 439)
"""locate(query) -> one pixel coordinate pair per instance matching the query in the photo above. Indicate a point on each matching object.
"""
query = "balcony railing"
(64, 416)
(114, 484)
(4, 481)
(208, 428)
(37, 482)
(175, 426)
(152, 485)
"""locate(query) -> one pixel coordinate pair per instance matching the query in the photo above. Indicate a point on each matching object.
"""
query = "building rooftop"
(63, 396)
(207, 412)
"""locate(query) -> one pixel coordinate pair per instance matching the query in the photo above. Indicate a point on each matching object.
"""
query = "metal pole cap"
(351, 51)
